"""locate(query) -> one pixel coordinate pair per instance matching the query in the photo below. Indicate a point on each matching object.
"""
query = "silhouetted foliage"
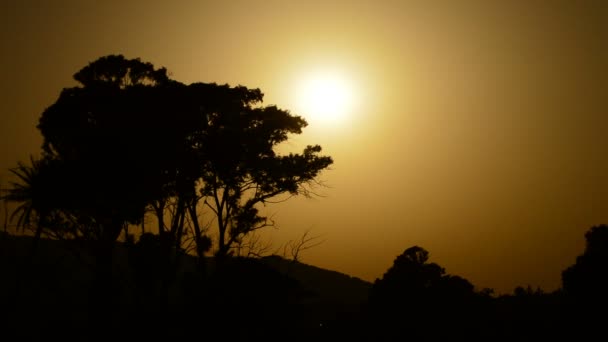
(270, 298)
(243, 170)
(128, 140)
(246, 299)
(134, 138)
(33, 190)
(587, 279)
(416, 299)
(527, 313)
(585, 286)
(113, 135)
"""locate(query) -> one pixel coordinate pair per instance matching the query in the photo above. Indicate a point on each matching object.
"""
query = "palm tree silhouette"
(31, 192)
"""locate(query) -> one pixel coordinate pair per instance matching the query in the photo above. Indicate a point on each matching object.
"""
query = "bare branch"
(210, 207)
(295, 247)
(279, 201)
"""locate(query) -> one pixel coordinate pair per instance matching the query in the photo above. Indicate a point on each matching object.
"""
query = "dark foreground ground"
(53, 293)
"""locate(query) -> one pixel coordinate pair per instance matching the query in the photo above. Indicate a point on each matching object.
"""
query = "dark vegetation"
(138, 221)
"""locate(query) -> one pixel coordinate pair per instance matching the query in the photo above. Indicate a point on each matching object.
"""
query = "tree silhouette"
(30, 194)
(98, 131)
(408, 281)
(587, 279)
(114, 140)
(415, 297)
(242, 168)
(38, 194)
(128, 140)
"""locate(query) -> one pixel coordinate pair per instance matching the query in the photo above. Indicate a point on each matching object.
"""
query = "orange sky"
(478, 130)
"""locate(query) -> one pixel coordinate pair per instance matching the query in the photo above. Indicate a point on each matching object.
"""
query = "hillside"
(340, 289)
(51, 287)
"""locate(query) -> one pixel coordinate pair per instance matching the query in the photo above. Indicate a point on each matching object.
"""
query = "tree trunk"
(200, 249)
(221, 252)
(102, 291)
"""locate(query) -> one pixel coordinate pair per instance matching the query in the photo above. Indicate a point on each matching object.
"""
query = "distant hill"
(344, 292)
(51, 286)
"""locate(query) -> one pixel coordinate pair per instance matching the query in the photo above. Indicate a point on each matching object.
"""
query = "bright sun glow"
(325, 97)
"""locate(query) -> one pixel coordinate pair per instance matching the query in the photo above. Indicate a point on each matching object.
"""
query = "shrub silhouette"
(587, 279)
(416, 299)
(585, 287)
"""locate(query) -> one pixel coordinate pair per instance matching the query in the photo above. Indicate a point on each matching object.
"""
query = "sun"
(325, 97)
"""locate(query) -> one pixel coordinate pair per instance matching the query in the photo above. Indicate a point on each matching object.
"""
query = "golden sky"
(476, 129)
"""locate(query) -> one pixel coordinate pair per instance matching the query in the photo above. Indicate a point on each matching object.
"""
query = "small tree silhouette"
(415, 297)
(33, 195)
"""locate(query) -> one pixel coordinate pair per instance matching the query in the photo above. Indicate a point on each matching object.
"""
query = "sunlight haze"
(324, 98)
(474, 129)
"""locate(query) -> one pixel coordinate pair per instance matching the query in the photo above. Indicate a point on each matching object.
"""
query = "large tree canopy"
(114, 137)
(128, 138)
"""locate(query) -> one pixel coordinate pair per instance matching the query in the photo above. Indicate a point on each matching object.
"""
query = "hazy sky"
(478, 130)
